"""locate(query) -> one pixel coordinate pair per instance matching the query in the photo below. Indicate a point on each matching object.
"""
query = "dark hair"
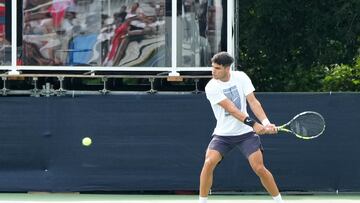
(222, 58)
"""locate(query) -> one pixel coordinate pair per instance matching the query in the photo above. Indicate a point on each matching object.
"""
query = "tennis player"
(228, 92)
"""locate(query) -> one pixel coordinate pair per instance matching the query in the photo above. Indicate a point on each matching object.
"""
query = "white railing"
(48, 90)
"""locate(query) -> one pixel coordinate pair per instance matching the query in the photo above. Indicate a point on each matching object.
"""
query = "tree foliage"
(289, 45)
(343, 78)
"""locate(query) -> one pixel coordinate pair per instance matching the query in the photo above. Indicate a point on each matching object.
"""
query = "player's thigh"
(256, 159)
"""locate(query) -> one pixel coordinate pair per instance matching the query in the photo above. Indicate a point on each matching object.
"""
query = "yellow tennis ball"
(86, 141)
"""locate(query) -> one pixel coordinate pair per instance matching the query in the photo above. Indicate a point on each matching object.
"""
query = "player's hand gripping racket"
(306, 125)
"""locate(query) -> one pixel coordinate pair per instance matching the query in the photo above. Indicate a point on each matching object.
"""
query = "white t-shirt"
(236, 89)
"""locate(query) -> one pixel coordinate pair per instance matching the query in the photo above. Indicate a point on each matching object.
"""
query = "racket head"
(306, 125)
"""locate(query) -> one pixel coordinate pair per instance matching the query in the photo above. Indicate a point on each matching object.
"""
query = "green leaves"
(343, 78)
(291, 45)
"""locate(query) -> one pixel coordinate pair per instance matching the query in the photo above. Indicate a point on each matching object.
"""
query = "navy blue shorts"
(248, 143)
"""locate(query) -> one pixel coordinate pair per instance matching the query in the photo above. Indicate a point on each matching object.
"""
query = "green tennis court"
(33, 198)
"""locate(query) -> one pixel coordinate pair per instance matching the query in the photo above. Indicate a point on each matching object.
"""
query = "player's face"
(220, 72)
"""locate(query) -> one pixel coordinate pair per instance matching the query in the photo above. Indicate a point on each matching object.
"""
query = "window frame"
(173, 69)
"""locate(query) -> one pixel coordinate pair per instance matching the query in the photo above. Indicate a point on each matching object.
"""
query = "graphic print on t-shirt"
(232, 93)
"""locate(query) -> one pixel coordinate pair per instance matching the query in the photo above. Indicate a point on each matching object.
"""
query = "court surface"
(110, 198)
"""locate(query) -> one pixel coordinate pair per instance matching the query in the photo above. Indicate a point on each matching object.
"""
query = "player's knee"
(260, 170)
(209, 163)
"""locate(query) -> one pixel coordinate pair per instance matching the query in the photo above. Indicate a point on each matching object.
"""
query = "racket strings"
(308, 125)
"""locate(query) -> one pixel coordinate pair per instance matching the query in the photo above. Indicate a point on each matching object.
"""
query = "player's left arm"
(259, 112)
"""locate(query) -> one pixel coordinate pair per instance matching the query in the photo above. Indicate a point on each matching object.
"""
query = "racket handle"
(282, 129)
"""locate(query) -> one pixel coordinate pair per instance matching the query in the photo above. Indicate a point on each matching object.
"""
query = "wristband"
(249, 121)
(265, 122)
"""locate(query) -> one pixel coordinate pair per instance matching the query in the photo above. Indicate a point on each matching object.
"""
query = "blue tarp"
(157, 143)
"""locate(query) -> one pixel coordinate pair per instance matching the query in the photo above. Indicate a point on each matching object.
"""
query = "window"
(94, 33)
(199, 32)
(122, 34)
(5, 46)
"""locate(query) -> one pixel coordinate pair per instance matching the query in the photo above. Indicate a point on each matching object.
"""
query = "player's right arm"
(230, 107)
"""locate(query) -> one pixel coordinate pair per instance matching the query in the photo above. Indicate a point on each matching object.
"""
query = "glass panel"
(94, 32)
(133, 34)
(200, 23)
(61, 32)
(5, 30)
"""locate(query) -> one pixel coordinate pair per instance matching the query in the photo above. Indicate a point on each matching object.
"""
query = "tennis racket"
(306, 125)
